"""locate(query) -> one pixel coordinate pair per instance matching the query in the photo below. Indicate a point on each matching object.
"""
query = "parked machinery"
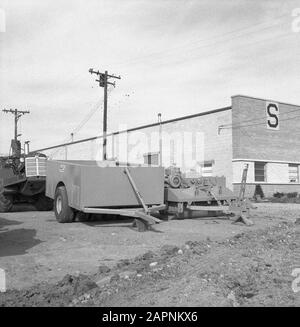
(23, 179)
(204, 196)
(22, 174)
(83, 187)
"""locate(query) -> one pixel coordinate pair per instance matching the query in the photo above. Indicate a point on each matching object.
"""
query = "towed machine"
(205, 196)
(80, 188)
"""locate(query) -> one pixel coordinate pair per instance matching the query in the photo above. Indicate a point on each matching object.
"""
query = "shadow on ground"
(114, 221)
(17, 241)
(8, 222)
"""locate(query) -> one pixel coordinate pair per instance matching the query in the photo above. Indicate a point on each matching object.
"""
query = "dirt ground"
(207, 262)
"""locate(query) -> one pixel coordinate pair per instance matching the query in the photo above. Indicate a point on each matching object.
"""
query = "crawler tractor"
(23, 180)
(23, 176)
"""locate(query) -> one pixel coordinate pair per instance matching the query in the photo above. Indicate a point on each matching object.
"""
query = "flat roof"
(137, 128)
(165, 122)
(191, 116)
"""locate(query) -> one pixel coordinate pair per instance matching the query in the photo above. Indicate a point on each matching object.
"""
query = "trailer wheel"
(43, 203)
(6, 203)
(63, 212)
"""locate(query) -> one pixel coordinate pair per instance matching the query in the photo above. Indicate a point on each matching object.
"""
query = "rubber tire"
(6, 203)
(66, 214)
(44, 203)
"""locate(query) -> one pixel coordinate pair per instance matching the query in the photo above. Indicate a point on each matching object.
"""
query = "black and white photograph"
(149, 156)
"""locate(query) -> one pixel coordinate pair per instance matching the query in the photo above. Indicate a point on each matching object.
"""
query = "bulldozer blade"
(144, 221)
(244, 220)
(141, 225)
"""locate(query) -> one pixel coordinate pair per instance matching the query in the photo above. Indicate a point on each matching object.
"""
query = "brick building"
(269, 142)
(263, 133)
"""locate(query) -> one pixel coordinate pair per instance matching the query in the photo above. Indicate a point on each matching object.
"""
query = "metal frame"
(130, 212)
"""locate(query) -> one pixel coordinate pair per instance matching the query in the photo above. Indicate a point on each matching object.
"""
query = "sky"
(174, 57)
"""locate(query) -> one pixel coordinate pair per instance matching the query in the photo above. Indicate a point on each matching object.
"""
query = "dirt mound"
(60, 294)
(249, 269)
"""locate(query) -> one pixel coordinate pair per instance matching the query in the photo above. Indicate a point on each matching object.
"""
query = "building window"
(207, 168)
(260, 171)
(151, 158)
(293, 173)
(172, 152)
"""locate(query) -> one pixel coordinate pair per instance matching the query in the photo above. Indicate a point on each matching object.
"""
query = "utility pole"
(103, 82)
(160, 139)
(16, 145)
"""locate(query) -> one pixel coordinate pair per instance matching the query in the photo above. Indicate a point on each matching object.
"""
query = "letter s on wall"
(272, 111)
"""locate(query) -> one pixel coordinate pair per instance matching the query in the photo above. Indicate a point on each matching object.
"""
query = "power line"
(216, 37)
(87, 118)
(250, 125)
(80, 125)
(104, 82)
(258, 119)
(246, 45)
(137, 59)
(168, 61)
(98, 105)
